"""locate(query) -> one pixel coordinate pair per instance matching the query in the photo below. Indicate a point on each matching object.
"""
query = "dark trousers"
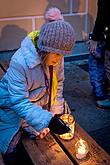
(107, 67)
(18, 156)
(97, 75)
(13, 158)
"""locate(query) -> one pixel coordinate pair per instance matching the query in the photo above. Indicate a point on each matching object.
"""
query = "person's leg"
(97, 74)
(12, 157)
(107, 67)
(18, 157)
(106, 103)
(100, 92)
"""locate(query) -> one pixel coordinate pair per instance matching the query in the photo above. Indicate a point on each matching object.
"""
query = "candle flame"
(82, 147)
(82, 142)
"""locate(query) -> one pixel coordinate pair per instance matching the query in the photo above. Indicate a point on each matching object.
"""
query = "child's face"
(53, 59)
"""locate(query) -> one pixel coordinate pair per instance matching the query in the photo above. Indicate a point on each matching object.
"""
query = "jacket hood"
(30, 54)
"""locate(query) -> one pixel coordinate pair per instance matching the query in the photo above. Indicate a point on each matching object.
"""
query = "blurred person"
(102, 25)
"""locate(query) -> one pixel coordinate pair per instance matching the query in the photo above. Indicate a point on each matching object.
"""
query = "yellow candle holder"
(68, 119)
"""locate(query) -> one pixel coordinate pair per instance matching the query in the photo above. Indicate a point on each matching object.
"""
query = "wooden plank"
(1, 160)
(45, 151)
(3, 67)
(5, 64)
(1, 74)
(96, 155)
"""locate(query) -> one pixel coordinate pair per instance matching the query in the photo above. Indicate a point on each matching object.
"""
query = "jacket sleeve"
(100, 21)
(57, 108)
(19, 98)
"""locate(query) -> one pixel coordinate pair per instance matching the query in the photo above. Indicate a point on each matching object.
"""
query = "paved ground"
(78, 93)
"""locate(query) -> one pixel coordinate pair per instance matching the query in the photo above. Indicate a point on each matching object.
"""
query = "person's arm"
(34, 115)
(98, 27)
(99, 23)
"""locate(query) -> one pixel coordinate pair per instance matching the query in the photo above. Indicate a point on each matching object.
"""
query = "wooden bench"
(52, 150)
(46, 151)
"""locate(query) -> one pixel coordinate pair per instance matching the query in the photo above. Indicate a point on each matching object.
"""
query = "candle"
(68, 119)
(81, 148)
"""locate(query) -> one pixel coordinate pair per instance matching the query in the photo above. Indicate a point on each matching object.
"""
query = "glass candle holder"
(81, 149)
(68, 119)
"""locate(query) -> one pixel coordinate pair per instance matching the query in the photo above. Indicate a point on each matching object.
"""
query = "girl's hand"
(43, 133)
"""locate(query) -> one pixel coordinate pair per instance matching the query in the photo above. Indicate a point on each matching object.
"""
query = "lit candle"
(81, 149)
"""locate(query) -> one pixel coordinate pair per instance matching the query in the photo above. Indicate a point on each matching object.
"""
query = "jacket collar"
(29, 52)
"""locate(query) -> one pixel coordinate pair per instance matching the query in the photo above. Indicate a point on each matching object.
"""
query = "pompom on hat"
(53, 14)
(57, 37)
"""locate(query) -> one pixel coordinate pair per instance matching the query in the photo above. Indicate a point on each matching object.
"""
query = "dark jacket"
(102, 23)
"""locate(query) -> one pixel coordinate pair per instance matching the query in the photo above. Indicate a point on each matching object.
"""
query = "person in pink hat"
(25, 88)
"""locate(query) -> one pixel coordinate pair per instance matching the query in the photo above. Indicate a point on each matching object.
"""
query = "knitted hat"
(56, 36)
